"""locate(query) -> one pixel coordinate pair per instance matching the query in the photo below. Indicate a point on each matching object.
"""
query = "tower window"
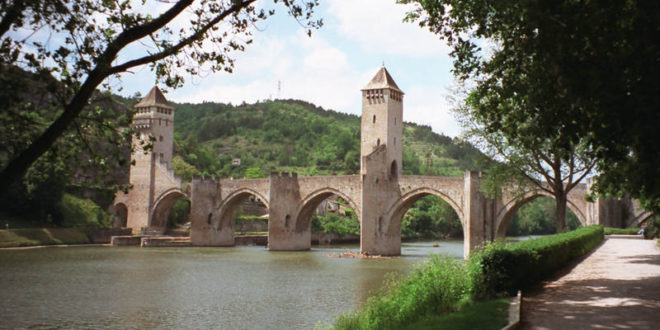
(394, 120)
(161, 138)
(393, 169)
(394, 140)
(374, 119)
(378, 142)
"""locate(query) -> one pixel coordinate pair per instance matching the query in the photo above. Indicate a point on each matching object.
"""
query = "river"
(201, 288)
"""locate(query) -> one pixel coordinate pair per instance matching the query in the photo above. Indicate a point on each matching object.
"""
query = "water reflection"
(230, 288)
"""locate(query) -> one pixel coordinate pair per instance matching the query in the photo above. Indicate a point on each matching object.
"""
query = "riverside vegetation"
(443, 285)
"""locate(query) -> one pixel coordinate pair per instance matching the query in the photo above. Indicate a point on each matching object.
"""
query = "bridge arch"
(307, 206)
(401, 206)
(506, 213)
(161, 209)
(227, 210)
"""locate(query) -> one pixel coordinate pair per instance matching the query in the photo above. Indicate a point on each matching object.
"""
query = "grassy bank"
(443, 285)
(42, 236)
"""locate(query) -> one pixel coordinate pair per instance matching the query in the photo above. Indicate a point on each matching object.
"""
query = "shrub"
(621, 231)
(78, 212)
(443, 285)
(500, 269)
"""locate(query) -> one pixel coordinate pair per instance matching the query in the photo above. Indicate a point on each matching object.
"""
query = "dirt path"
(616, 287)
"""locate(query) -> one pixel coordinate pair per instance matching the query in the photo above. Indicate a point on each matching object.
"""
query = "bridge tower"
(150, 174)
(380, 163)
(382, 120)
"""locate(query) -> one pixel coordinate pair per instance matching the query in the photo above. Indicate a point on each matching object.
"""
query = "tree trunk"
(561, 212)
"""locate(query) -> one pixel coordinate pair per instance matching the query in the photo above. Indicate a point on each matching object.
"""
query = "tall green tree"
(528, 160)
(589, 69)
(92, 42)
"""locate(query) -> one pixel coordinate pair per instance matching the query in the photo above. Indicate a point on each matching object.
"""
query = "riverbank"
(29, 237)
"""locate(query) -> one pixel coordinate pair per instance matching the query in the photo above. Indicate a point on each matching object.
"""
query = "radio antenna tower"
(279, 89)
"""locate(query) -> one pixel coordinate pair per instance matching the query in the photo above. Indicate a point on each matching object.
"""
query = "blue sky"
(329, 68)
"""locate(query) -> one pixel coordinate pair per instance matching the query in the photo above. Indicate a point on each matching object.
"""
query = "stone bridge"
(380, 194)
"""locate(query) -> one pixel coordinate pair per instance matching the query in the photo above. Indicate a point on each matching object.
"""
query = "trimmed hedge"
(444, 285)
(621, 231)
(500, 269)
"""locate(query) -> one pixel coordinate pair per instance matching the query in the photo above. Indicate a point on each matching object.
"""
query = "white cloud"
(328, 72)
(429, 105)
(379, 28)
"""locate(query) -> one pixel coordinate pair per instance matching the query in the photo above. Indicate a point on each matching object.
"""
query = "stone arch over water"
(504, 216)
(161, 210)
(309, 204)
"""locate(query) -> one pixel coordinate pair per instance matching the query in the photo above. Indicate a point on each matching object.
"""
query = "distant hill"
(292, 135)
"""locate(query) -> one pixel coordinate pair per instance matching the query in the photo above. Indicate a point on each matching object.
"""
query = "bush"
(77, 212)
(443, 285)
(334, 223)
(500, 269)
(652, 229)
(621, 231)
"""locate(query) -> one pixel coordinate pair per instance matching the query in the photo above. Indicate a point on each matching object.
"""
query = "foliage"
(501, 269)
(621, 231)
(551, 57)
(538, 217)
(295, 136)
(335, 223)
(42, 236)
(92, 34)
(431, 217)
(528, 159)
(442, 285)
(652, 229)
(77, 212)
(183, 169)
(179, 213)
(438, 286)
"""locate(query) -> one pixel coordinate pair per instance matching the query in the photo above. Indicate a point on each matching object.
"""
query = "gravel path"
(616, 287)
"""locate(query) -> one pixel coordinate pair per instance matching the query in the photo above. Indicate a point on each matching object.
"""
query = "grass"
(491, 314)
(42, 236)
(439, 286)
(621, 231)
(476, 289)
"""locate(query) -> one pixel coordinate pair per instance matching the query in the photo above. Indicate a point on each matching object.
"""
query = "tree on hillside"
(588, 69)
(83, 43)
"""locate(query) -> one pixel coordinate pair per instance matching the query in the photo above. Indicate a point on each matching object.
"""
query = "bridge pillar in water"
(479, 222)
(206, 227)
(283, 232)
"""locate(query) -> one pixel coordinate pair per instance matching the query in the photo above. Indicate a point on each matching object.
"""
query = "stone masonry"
(380, 195)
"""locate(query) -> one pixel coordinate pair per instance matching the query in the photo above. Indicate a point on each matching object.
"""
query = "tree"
(590, 68)
(97, 36)
(527, 159)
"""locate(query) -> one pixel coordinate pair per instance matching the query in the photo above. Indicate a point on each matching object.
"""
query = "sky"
(329, 68)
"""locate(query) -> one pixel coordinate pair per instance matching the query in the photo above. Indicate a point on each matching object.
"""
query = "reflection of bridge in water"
(380, 195)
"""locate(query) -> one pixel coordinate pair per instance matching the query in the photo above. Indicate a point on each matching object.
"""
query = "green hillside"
(288, 135)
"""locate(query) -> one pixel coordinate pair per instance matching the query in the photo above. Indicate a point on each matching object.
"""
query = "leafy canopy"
(590, 68)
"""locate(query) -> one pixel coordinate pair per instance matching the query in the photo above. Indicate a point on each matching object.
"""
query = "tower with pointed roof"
(380, 163)
(150, 174)
(154, 119)
(382, 120)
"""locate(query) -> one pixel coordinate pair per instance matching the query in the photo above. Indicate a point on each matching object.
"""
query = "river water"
(201, 288)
